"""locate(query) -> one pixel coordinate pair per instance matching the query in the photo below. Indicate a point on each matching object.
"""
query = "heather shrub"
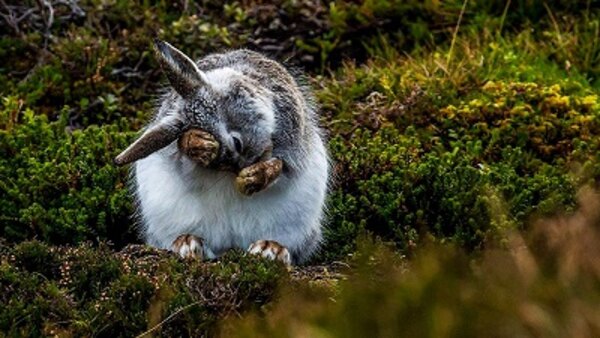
(94, 56)
(84, 290)
(543, 283)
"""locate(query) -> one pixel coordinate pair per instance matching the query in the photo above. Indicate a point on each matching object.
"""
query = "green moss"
(60, 185)
(441, 192)
(87, 290)
(515, 143)
(540, 286)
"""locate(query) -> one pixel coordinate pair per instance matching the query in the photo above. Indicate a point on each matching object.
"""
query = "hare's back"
(267, 72)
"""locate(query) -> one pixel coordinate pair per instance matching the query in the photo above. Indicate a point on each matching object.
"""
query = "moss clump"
(390, 186)
(543, 284)
(417, 159)
(86, 290)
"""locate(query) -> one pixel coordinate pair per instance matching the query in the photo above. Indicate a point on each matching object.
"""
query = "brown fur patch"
(281, 253)
(188, 240)
(200, 146)
(152, 140)
(259, 176)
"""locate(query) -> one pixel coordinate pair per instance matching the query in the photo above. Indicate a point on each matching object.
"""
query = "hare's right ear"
(182, 72)
(153, 139)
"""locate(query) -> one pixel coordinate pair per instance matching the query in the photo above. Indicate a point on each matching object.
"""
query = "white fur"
(177, 197)
(220, 79)
(264, 107)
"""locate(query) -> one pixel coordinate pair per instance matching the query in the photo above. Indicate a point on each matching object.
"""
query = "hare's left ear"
(182, 72)
(153, 139)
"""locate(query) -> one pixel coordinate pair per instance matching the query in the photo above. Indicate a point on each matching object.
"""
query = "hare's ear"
(182, 72)
(153, 139)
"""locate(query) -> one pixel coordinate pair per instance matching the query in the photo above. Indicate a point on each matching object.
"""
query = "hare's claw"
(200, 146)
(189, 246)
(271, 250)
(259, 176)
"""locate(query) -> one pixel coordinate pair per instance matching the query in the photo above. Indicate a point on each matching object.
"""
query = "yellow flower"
(589, 101)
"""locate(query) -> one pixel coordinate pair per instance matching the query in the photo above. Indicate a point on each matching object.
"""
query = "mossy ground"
(454, 123)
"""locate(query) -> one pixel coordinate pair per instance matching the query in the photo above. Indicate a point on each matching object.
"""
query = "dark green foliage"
(388, 186)
(60, 185)
(455, 166)
(30, 303)
(85, 291)
(36, 257)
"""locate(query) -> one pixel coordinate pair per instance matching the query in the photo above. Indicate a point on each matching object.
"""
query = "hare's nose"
(230, 158)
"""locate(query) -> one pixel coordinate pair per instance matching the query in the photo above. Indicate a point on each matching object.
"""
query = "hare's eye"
(237, 143)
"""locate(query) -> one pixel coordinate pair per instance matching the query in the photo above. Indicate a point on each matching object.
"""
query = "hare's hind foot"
(259, 176)
(271, 250)
(200, 146)
(189, 246)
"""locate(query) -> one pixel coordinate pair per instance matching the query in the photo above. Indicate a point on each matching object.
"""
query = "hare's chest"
(174, 201)
(226, 219)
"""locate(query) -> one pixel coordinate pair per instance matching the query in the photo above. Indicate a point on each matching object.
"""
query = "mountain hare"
(233, 159)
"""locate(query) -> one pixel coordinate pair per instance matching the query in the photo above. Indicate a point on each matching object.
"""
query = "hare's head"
(232, 107)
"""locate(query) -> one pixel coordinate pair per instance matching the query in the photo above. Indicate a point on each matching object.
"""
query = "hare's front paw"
(200, 146)
(189, 246)
(271, 250)
(258, 176)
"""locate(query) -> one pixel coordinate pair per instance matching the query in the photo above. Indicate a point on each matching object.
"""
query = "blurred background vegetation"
(453, 125)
